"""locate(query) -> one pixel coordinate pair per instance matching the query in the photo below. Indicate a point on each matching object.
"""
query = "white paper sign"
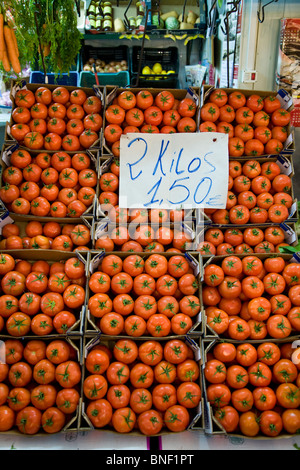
(174, 170)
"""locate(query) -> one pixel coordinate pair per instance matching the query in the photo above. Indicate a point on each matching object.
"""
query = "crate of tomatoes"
(52, 117)
(19, 233)
(251, 389)
(141, 387)
(147, 110)
(150, 237)
(252, 297)
(257, 123)
(40, 385)
(148, 295)
(260, 191)
(221, 241)
(49, 184)
(42, 293)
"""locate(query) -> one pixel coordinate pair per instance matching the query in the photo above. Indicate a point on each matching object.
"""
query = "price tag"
(174, 170)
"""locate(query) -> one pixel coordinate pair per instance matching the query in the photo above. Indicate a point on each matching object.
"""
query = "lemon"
(170, 71)
(163, 72)
(157, 68)
(146, 70)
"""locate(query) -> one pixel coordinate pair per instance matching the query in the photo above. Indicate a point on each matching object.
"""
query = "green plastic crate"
(88, 79)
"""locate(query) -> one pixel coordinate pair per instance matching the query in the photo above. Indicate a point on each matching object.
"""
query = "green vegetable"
(156, 22)
(172, 23)
(57, 32)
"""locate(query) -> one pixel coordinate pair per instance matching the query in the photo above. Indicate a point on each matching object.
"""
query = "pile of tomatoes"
(233, 240)
(258, 192)
(255, 125)
(254, 389)
(39, 385)
(55, 119)
(46, 236)
(252, 298)
(38, 297)
(156, 295)
(147, 386)
(55, 184)
(147, 113)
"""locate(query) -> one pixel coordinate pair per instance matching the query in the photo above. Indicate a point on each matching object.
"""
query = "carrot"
(2, 42)
(11, 50)
(5, 62)
(13, 35)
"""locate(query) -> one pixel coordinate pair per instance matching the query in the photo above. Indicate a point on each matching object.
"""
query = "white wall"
(260, 41)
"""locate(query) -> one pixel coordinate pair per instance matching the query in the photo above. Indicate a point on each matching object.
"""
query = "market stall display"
(93, 281)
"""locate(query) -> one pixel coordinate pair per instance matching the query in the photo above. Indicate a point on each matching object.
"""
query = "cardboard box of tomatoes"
(40, 383)
(251, 297)
(251, 389)
(258, 123)
(42, 293)
(20, 233)
(224, 240)
(144, 236)
(260, 191)
(148, 295)
(141, 387)
(49, 184)
(151, 110)
(51, 117)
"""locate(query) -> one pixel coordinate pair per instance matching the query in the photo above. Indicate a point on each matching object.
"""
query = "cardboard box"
(287, 167)
(52, 256)
(113, 92)
(91, 323)
(286, 102)
(8, 149)
(72, 420)
(206, 330)
(212, 426)
(19, 85)
(289, 229)
(196, 414)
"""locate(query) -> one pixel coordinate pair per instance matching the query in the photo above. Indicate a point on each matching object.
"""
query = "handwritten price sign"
(168, 171)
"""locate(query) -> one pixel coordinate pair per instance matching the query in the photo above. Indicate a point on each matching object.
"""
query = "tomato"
(92, 104)
(43, 396)
(99, 412)
(280, 117)
(13, 283)
(71, 142)
(270, 423)
(150, 352)
(279, 133)
(68, 374)
(254, 147)
(63, 321)
(263, 134)
(164, 100)
(273, 146)
(67, 400)
(134, 118)
(125, 350)
(176, 418)
(249, 424)
(34, 140)
(215, 371)
(228, 417)
(291, 420)
(95, 386)
(217, 320)
(186, 124)
(236, 147)
(210, 112)
(242, 399)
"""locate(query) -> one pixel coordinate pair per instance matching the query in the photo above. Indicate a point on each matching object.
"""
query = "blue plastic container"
(64, 79)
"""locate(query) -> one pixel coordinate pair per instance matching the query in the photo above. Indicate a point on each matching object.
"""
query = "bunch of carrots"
(9, 52)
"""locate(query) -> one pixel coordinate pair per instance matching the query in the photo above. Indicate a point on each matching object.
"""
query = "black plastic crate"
(107, 54)
(168, 58)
